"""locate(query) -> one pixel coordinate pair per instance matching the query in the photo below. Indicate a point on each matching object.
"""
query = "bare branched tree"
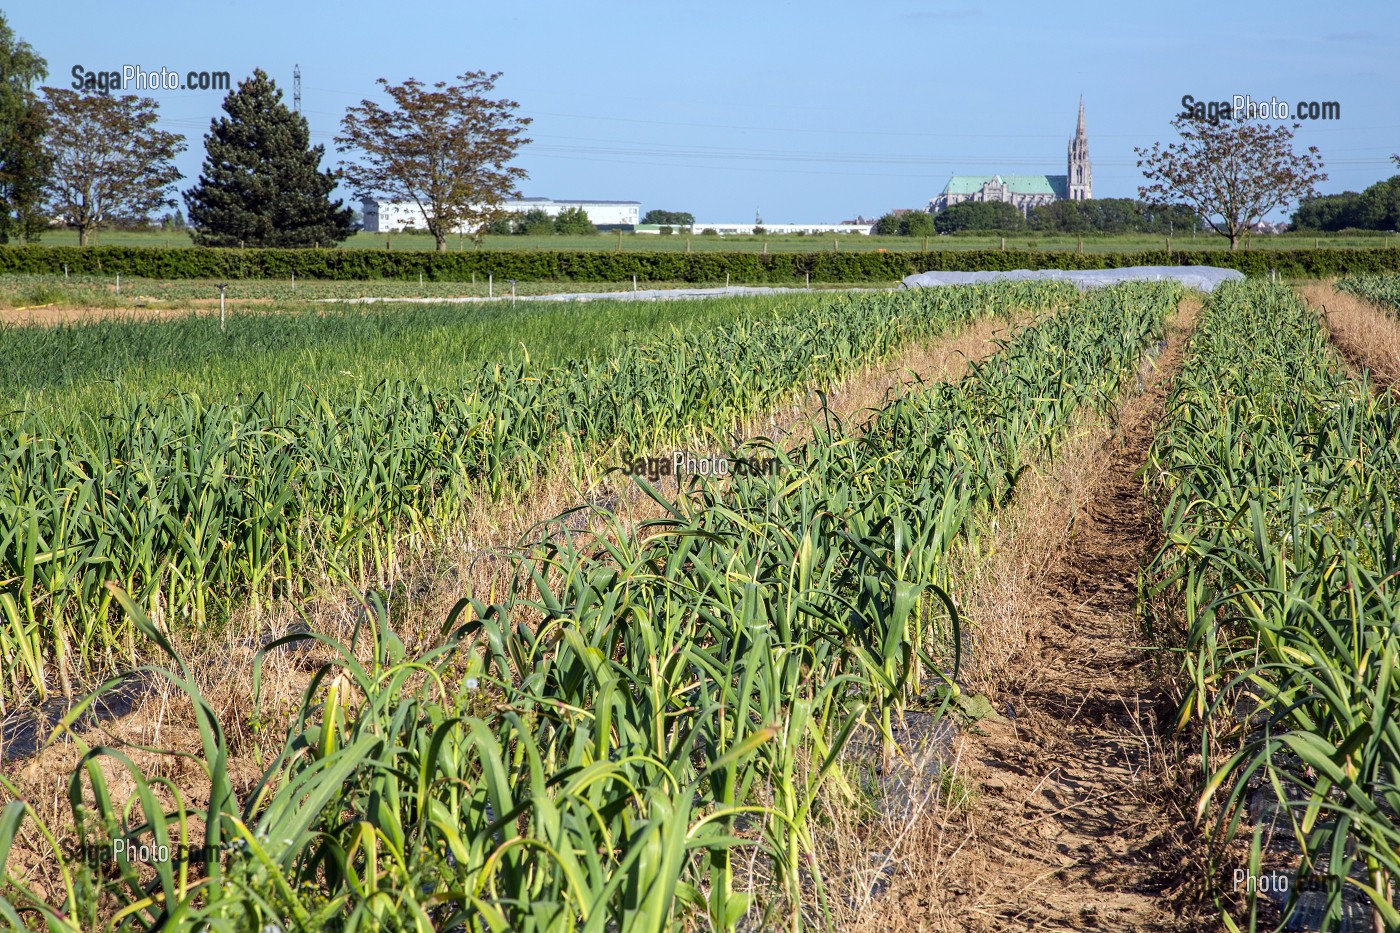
(1233, 172)
(446, 148)
(109, 160)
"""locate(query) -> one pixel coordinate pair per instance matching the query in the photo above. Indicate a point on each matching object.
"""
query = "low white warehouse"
(779, 229)
(388, 216)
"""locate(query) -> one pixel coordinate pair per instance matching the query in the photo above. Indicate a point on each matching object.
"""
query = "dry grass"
(1367, 336)
(49, 315)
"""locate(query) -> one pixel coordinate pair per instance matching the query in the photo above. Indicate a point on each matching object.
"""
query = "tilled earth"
(1078, 824)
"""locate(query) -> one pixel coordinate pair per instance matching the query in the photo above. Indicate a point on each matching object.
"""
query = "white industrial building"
(389, 216)
(775, 229)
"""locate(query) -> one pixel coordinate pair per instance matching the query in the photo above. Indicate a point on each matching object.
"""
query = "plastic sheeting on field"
(1204, 278)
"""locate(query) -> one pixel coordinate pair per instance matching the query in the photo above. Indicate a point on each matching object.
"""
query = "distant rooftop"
(570, 201)
(1057, 185)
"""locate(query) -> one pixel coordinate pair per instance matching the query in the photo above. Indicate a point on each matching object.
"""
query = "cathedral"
(1026, 191)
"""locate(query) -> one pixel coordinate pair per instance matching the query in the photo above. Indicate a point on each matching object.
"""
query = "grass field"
(657, 711)
(791, 244)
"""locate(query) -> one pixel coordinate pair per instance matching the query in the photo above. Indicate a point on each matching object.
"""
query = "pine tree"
(261, 184)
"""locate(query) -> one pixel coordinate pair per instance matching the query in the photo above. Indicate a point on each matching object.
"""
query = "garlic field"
(638, 725)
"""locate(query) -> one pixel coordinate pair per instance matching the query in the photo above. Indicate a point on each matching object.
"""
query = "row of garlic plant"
(1381, 289)
(193, 504)
(1279, 477)
(643, 713)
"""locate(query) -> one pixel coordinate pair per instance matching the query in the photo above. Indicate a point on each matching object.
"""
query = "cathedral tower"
(1080, 178)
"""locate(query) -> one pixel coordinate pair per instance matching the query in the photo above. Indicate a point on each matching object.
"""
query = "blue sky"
(810, 111)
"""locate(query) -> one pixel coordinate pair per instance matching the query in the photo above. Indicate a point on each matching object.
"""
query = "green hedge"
(602, 266)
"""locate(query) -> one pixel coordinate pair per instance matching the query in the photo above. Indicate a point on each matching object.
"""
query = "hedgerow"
(602, 266)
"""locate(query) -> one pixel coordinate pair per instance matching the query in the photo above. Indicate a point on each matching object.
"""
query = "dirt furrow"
(1073, 818)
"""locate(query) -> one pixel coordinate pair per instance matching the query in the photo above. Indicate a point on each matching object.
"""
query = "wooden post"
(687, 245)
(926, 244)
(1003, 244)
(836, 244)
(1081, 244)
(619, 241)
(765, 247)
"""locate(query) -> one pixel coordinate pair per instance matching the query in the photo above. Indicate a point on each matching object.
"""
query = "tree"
(23, 164)
(980, 215)
(262, 183)
(1111, 215)
(573, 221)
(534, 222)
(669, 218)
(109, 162)
(888, 225)
(917, 223)
(1379, 207)
(446, 149)
(1328, 212)
(1231, 172)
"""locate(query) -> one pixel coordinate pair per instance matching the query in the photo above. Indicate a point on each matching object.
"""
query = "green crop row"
(634, 737)
(93, 368)
(1279, 480)
(1381, 289)
(603, 266)
(190, 503)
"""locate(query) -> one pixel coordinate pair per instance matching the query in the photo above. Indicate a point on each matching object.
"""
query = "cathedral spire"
(1080, 176)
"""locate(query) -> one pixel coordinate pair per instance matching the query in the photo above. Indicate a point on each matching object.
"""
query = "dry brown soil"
(1365, 335)
(1078, 820)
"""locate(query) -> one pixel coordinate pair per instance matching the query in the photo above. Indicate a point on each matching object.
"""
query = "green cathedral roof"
(1017, 184)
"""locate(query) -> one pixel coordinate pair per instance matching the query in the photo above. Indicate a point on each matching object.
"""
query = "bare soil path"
(1077, 824)
(1365, 335)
